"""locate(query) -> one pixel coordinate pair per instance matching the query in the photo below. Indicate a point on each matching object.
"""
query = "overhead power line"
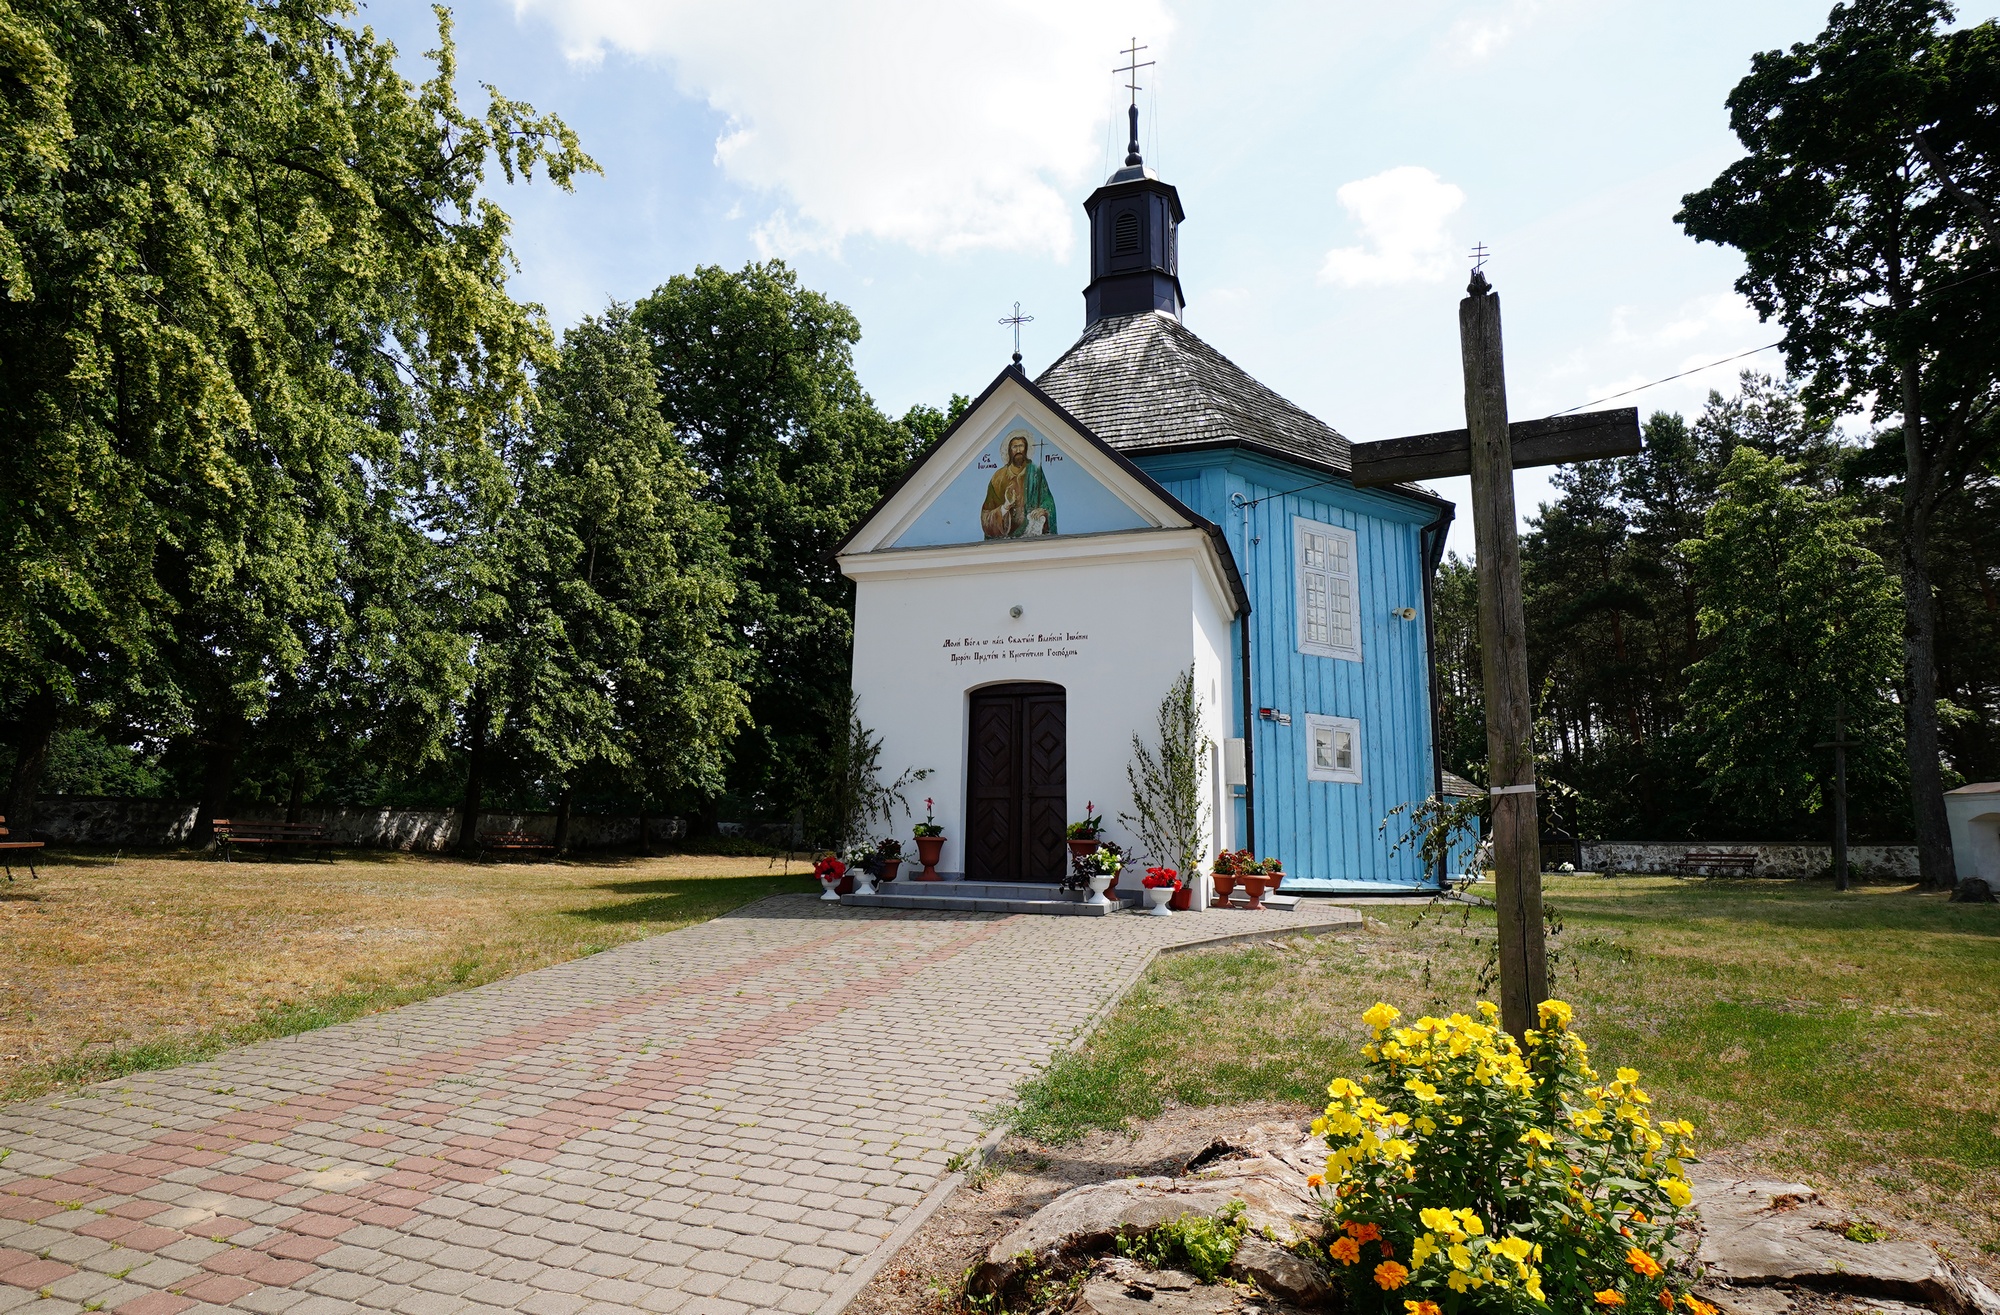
(1670, 378)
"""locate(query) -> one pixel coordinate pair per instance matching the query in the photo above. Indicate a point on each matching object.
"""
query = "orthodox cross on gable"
(1488, 449)
(1017, 320)
(1131, 69)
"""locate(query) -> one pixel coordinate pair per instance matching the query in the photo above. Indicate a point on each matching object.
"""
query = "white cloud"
(942, 126)
(1491, 25)
(1402, 214)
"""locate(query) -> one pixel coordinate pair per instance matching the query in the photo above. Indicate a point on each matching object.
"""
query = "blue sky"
(924, 162)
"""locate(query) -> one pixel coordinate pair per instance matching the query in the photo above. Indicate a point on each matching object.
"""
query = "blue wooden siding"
(1329, 834)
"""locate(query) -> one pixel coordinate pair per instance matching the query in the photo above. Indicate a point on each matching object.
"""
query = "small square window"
(1333, 749)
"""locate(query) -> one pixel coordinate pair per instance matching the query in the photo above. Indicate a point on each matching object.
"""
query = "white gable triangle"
(1015, 468)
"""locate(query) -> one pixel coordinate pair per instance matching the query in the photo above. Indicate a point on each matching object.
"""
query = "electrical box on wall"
(1233, 772)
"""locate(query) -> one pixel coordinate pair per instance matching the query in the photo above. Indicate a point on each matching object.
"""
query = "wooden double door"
(1018, 789)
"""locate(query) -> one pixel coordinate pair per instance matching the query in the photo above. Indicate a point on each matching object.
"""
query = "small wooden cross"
(1017, 320)
(1488, 449)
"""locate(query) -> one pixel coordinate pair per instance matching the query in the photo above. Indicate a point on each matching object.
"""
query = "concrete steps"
(988, 897)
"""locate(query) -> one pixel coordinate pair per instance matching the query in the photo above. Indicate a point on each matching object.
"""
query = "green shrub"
(1203, 1245)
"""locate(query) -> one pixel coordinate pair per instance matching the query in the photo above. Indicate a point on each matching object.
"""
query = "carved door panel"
(993, 833)
(1046, 788)
(1017, 784)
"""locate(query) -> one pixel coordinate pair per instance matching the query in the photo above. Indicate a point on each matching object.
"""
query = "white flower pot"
(1098, 885)
(832, 886)
(864, 882)
(1156, 901)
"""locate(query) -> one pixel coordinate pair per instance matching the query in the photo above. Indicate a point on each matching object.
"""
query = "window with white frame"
(1333, 749)
(1328, 595)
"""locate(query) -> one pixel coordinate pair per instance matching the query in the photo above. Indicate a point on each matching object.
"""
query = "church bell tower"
(1134, 242)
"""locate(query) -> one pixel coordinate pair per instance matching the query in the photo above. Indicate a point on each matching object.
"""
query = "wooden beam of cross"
(1549, 442)
(1488, 449)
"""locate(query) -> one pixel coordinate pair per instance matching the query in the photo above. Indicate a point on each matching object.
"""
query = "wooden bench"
(270, 835)
(515, 842)
(1727, 862)
(27, 847)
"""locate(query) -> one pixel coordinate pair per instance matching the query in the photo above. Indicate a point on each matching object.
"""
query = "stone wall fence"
(1775, 858)
(154, 823)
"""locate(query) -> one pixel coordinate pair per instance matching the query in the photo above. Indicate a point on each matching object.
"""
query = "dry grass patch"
(110, 966)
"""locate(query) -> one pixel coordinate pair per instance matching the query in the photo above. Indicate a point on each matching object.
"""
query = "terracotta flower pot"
(1255, 887)
(889, 866)
(1079, 847)
(1225, 886)
(1183, 899)
(928, 849)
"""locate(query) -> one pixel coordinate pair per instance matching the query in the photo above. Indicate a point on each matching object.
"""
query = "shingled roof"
(1145, 383)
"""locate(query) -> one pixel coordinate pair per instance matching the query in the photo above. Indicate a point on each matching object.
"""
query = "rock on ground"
(1265, 1168)
(1125, 1287)
(1758, 1233)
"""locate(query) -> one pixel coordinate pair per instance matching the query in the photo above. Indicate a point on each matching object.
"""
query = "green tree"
(253, 291)
(1864, 212)
(756, 375)
(621, 667)
(1797, 617)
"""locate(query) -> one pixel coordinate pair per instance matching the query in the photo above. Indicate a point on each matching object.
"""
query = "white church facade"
(1029, 592)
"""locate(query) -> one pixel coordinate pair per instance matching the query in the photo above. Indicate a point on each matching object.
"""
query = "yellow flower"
(1628, 1075)
(1677, 1191)
(1438, 1219)
(1458, 1281)
(1423, 1249)
(1426, 1124)
(1344, 1089)
(1514, 1248)
(1460, 1255)
(1610, 1297)
(1379, 1016)
(1488, 1010)
(1553, 1012)
(1470, 1222)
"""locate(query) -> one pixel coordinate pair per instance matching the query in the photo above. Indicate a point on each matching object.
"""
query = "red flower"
(830, 868)
(1156, 878)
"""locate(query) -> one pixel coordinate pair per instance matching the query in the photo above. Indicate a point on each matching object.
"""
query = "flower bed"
(1491, 1175)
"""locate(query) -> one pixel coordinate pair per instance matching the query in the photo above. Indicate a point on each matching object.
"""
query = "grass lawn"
(112, 966)
(1848, 1039)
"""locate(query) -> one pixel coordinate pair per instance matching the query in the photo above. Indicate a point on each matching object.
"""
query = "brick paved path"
(732, 1117)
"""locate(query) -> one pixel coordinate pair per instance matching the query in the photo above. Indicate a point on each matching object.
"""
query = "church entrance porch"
(1017, 789)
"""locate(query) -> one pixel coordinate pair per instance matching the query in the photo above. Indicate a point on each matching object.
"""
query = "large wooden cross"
(1489, 449)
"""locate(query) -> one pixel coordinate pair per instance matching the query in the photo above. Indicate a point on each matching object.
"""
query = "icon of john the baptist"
(1018, 501)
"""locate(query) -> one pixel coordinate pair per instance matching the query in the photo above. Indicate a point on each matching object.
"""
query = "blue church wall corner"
(1329, 833)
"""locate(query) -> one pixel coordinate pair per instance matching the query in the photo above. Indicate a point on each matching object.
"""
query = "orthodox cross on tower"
(1017, 320)
(1489, 449)
(1131, 69)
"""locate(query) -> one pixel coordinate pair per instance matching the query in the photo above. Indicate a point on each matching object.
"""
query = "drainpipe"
(1432, 542)
(1249, 703)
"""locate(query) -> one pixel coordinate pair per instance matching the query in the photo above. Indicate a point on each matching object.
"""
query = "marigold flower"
(1610, 1297)
(1642, 1264)
(1422, 1308)
(1667, 1298)
(1697, 1305)
(1361, 1232)
(1315, 1180)
(1346, 1251)
(1389, 1276)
